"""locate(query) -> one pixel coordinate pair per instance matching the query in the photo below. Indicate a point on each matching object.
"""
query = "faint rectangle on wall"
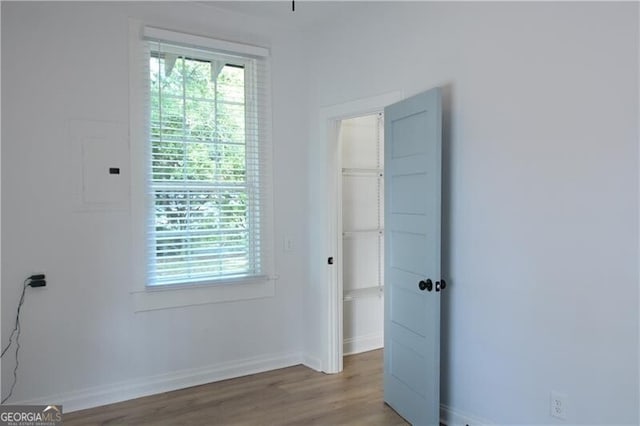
(100, 165)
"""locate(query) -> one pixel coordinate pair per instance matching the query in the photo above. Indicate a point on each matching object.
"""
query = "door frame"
(330, 117)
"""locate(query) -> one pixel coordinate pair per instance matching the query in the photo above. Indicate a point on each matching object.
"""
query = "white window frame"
(145, 297)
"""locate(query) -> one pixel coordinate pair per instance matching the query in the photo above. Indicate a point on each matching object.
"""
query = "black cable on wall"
(33, 281)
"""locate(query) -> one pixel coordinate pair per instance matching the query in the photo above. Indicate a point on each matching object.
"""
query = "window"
(207, 162)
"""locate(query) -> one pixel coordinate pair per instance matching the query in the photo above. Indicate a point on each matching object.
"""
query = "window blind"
(209, 163)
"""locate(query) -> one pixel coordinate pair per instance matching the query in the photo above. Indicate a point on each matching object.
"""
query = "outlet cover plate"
(558, 405)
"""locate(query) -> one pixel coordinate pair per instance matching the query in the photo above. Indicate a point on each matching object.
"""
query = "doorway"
(361, 232)
(331, 244)
(413, 139)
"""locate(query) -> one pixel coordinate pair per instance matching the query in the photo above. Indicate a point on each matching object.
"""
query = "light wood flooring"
(289, 396)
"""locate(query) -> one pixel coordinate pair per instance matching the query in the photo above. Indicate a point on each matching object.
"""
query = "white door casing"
(332, 295)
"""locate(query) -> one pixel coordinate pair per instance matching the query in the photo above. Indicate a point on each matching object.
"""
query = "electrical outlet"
(558, 405)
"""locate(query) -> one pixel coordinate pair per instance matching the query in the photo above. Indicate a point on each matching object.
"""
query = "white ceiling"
(307, 13)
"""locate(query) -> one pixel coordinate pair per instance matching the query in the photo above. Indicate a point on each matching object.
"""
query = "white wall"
(540, 193)
(82, 344)
(541, 200)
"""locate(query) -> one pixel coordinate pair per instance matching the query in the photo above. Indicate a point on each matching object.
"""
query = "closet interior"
(362, 232)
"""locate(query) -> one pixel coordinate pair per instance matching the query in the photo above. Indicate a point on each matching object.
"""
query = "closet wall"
(361, 141)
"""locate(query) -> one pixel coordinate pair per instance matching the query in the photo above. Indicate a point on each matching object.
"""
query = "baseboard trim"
(312, 362)
(452, 417)
(118, 392)
(356, 345)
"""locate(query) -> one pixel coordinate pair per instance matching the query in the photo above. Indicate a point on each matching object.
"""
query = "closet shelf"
(363, 232)
(363, 292)
(362, 172)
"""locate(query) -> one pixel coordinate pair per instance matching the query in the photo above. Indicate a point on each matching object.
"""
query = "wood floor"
(289, 396)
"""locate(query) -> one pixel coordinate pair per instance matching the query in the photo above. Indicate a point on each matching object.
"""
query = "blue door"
(413, 153)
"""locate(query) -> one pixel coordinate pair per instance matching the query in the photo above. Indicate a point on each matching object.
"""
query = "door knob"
(441, 285)
(425, 285)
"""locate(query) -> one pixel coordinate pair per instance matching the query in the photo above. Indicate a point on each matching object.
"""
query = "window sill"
(174, 297)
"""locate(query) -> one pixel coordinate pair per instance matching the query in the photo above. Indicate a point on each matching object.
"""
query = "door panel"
(408, 254)
(409, 317)
(412, 253)
(404, 201)
(401, 368)
(407, 133)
